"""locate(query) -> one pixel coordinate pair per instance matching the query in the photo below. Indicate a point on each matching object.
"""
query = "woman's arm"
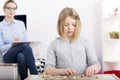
(3, 47)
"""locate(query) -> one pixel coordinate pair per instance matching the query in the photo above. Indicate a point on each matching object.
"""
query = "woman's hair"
(68, 12)
(8, 1)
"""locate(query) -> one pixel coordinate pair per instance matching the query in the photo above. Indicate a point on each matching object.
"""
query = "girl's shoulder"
(57, 40)
(82, 39)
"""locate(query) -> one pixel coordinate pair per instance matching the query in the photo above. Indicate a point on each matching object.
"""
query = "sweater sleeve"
(91, 55)
(51, 56)
(3, 48)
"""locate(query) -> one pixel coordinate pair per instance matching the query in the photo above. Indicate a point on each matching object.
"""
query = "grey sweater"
(65, 54)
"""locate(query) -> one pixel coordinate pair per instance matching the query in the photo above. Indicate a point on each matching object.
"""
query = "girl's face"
(10, 10)
(69, 27)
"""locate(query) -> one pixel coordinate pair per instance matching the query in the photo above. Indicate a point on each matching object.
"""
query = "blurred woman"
(12, 32)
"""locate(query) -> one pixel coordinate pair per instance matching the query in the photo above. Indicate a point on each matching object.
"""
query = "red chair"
(116, 72)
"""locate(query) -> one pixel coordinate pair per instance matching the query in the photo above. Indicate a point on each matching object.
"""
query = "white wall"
(42, 18)
(111, 47)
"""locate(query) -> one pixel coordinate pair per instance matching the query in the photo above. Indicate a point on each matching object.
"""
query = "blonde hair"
(68, 12)
(9, 1)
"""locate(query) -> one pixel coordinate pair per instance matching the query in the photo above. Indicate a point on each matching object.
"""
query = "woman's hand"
(68, 71)
(16, 39)
(90, 71)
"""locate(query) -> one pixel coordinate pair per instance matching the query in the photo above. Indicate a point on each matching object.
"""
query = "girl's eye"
(66, 24)
(74, 24)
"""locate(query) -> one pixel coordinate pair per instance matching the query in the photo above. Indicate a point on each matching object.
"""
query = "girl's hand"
(68, 71)
(90, 71)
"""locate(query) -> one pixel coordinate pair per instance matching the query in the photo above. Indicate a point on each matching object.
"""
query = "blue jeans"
(21, 54)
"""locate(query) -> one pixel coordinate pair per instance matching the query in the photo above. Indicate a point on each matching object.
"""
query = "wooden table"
(79, 77)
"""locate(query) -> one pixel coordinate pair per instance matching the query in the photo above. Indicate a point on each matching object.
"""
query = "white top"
(65, 54)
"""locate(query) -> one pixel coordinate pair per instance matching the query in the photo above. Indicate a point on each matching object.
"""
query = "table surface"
(79, 77)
